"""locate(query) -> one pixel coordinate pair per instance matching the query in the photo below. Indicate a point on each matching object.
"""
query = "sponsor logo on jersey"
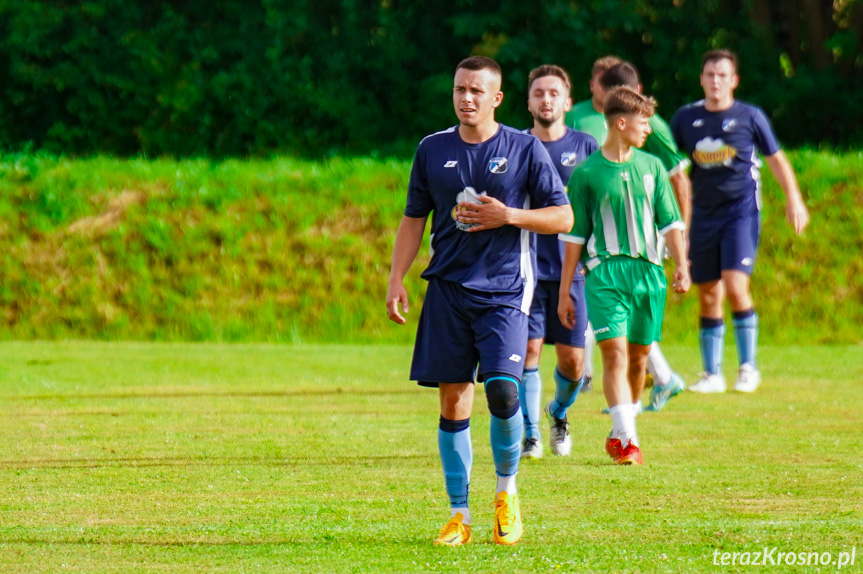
(698, 123)
(497, 165)
(451, 163)
(728, 124)
(710, 153)
(467, 195)
(515, 358)
(649, 183)
(568, 158)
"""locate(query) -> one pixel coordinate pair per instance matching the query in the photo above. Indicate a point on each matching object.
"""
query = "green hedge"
(325, 77)
(291, 250)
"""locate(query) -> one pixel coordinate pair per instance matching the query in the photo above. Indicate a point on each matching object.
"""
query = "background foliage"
(297, 250)
(239, 77)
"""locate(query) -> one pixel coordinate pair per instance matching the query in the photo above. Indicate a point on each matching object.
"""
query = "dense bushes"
(240, 77)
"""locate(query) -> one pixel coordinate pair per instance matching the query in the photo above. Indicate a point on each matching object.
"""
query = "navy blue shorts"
(457, 331)
(723, 244)
(544, 323)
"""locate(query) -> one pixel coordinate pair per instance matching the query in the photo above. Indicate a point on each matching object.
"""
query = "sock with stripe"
(711, 339)
(456, 454)
(746, 335)
(507, 423)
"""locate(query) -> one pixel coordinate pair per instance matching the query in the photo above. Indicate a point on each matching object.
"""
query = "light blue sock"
(566, 391)
(746, 334)
(456, 455)
(711, 338)
(506, 443)
(530, 396)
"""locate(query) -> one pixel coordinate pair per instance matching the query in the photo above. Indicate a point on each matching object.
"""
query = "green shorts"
(626, 298)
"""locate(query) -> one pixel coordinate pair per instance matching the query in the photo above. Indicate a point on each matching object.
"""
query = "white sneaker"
(709, 384)
(531, 448)
(561, 442)
(748, 379)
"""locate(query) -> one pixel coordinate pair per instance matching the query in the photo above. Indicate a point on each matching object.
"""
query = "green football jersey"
(620, 207)
(584, 118)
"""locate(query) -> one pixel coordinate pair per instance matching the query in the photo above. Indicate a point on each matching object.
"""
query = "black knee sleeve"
(501, 392)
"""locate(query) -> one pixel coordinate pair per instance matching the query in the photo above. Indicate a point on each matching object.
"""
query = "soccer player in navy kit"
(548, 100)
(487, 187)
(723, 137)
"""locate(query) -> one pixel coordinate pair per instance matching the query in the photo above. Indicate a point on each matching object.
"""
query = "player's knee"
(501, 392)
(534, 351)
(571, 364)
(739, 299)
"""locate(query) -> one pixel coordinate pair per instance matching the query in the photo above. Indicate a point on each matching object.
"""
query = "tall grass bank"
(290, 250)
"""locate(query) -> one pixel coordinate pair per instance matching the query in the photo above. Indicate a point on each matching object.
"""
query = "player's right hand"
(682, 279)
(397, 294)
(566, 312)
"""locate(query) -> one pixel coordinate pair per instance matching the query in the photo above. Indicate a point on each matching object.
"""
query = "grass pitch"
(323, 458)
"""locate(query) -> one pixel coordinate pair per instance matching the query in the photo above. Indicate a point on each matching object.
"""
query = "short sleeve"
(546, 188)
(582, 223)
(419, 203)
(763, 133)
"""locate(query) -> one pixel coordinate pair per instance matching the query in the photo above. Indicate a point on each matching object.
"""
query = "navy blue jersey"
(566, 153)
(511, 167)
(724, 146)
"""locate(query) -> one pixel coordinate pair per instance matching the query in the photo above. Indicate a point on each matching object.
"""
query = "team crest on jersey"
(497, 165)
(568, 158)
(467, 195)
(728, 125)
(710, 153)
(649, 184)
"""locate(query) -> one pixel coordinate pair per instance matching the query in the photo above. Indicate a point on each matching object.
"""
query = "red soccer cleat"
(630, 455)
(613, 448)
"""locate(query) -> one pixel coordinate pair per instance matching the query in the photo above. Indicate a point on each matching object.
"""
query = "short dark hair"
(479, 63)
(623, 74)
(623, 101)
(548, 70)
(716, 55)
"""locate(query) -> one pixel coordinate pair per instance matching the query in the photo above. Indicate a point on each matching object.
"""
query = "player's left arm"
(670, 225)
(795, 210)
(546, 190)
(493, 213)
(565, 306)
(682, 187)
